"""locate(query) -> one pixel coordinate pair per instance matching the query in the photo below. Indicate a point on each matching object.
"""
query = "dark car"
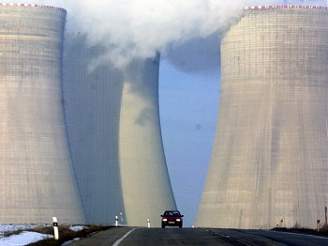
(172, 218)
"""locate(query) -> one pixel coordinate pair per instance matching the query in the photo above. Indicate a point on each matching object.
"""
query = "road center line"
(118, 241)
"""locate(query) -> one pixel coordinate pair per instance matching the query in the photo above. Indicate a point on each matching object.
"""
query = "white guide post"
(55, 225)
(116, 221)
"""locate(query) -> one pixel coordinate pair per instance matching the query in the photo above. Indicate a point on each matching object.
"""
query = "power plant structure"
(92, 105)
(36, 176)
(113, 123)
(270, 161)
(145, 181)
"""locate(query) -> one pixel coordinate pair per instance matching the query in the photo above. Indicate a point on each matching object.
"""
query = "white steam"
(139, 28)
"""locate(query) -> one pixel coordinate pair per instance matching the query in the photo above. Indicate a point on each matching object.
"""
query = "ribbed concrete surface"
(270, 158)
(36, 178)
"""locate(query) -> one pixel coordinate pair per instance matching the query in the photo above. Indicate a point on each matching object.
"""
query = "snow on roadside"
(23, 238)
(77, 228)
(10, 228)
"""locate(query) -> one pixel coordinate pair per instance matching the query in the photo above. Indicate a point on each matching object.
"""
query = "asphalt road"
(173, 236)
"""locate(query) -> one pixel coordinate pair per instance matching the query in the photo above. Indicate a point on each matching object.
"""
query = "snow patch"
(77, 228)
(23, 238)
(10, 228)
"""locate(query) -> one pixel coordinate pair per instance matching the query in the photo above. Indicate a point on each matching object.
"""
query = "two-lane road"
(225, 237)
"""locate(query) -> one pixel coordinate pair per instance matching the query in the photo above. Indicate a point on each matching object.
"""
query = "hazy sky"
(188, 107)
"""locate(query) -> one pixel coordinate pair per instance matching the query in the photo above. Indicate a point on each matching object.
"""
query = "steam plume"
(139, 28)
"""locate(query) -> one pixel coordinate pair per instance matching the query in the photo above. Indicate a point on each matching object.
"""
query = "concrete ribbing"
(269, 163)
(36, 178)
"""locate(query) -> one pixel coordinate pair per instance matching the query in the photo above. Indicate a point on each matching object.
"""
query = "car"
(172, 218)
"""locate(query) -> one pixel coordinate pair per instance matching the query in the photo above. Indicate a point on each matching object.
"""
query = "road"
(173, 236)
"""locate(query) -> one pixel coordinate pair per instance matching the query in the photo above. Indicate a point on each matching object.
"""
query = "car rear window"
(172, 213)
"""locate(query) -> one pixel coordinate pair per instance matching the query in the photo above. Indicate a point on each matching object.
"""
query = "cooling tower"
(36, 177)
(92, 105)
(144, 176)
(270, 160)
(115, 136)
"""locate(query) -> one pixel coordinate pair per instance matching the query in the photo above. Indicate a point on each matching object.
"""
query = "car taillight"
(164, 219)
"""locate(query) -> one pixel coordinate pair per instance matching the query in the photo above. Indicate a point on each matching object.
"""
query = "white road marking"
(117, 242)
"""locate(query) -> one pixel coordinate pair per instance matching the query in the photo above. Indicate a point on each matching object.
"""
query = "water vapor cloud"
(129, 29)
(139, 28)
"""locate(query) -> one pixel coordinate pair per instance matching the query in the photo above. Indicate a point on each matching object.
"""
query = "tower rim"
(284, 6)
(31, 5)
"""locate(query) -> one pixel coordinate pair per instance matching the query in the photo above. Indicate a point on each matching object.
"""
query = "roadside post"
(318, 225)
(116, 221)
(55, 225)
(121, 218)
(148, 223)
(326, 223)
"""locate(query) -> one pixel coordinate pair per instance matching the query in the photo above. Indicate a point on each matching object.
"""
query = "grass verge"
(65, 234)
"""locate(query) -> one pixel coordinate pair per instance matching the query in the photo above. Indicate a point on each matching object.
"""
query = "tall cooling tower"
(270, 160)
(145, 181)
(36, 177)
(115, 137)
(92, 105)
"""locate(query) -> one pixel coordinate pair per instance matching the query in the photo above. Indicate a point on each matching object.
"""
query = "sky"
(188, 111)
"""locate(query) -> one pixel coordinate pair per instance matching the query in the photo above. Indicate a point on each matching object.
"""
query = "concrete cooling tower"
(144, 176)
(36, 176)
(270, 160)
(92, 106)
(115, 136)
